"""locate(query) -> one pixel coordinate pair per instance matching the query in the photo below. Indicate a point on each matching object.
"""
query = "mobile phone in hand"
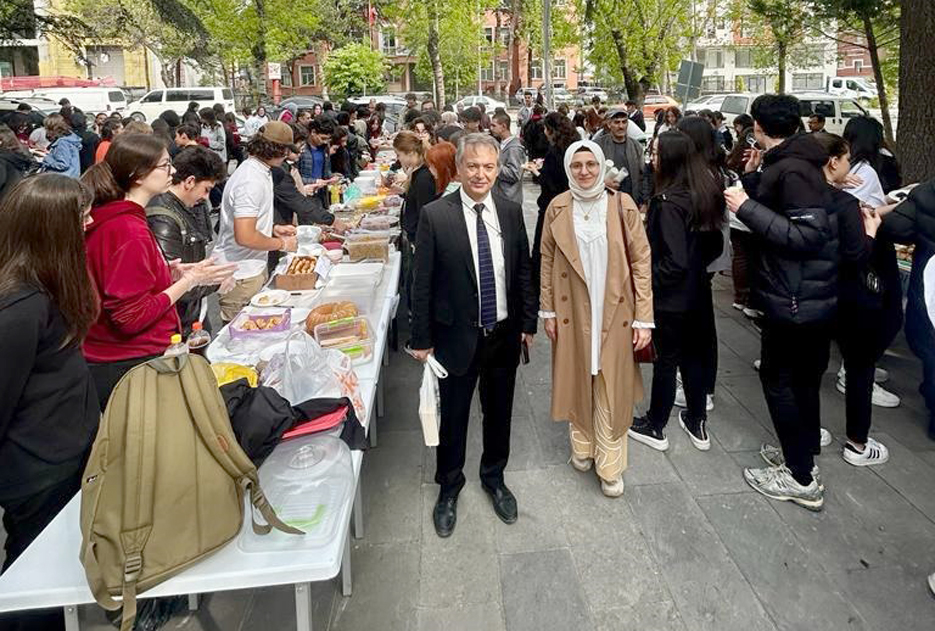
(525, 352)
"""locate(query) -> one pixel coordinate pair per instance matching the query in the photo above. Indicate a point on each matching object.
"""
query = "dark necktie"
(488, 284)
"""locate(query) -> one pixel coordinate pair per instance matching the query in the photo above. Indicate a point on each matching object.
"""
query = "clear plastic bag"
(302, 371)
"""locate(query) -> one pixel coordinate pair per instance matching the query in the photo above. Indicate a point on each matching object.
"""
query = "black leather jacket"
(182, 233)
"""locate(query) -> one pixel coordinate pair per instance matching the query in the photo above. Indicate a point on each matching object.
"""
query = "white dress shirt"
(590, 220)
(495, 237)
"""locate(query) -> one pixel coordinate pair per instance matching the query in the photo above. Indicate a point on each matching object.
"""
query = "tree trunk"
(916, 132)
(516, 23)
(878, 77)
(437, 71)
(635, 90)
(498, 80)
(781, 52)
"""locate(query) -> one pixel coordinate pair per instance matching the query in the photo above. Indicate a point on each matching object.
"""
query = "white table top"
(49, 573)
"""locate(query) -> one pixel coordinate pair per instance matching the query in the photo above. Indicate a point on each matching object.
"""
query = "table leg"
(346, 587)
(303, 607)
(380, 393)
(372, 430)
(358, 514)
(386, 355)
(71, 618)
(193, 602)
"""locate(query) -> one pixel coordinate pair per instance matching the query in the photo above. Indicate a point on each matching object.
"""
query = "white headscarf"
(597, 189)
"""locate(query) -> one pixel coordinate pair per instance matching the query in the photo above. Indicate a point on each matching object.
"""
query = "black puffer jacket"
(681, 254)
(13, 166)
(182, 233)
(791, 211)
(913, 221)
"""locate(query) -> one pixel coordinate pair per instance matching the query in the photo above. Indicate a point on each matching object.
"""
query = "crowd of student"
(97, 273)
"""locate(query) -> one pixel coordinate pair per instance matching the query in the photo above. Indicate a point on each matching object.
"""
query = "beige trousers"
(610, 456)
(239, 297)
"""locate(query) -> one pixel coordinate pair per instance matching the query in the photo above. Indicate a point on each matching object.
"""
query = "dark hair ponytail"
(129, 158)
(682, 167)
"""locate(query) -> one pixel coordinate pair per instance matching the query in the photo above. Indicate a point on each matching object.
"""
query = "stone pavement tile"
(907, 425)
(732, 425)
(927, 456)
(539, 369)
(386, 589)
(648, 466)
(274, 608)
(661, 616)
(541, 592)
(865, 523)
(525, 452)
(539, 526)
(709, 590)
(462, 568)
(391, 486)
(730, 364)
(588, 516)
(739, 338)
(748, 392)
(703, 472)
(553, 436)
(618, 573)
(459, 617)
(889, 598)
(790, 582)
(400, 406)
(909, 475)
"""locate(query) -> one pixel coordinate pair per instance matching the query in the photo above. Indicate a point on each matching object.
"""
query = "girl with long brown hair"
(49, 411)
(138, 288)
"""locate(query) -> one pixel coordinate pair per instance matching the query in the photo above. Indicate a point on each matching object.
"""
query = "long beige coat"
(565, 291)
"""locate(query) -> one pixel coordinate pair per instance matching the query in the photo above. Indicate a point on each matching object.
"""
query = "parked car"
(836, 109)
(652, 103)
(490, 104)
(585, 95)
(394, 104)
(710, 102)
(562, 95)
(519, 94)
(89, 100)
(853, 87)
(40, 108)
(177, 99)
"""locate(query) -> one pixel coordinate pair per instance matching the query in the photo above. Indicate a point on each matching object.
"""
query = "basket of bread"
(299, 275)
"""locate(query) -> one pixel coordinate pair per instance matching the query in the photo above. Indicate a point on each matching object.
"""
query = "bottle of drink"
(176, 346)
(198, 340)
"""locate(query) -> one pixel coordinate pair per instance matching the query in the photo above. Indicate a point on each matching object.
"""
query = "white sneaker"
(612, 489)
(753, 314)
(881, 397)
(756, 364)
(777, 483)
(932, 583)
(582, 464)
(874, 452)
(826, 438)
(773, 457)
(737, 306)
(680, 400)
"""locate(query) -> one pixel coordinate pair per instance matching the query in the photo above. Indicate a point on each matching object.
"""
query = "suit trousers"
(795, 357)
(494, 366)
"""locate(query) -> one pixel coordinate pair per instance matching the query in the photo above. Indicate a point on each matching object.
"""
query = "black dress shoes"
(445, 515)
(504, 503)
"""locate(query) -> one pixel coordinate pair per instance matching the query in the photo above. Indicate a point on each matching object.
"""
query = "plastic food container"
(297, 276)
(363, 293)
(308, 234)
(351, 336)
(370, 248)
(378, 222)
(257, 325)
(353, 274)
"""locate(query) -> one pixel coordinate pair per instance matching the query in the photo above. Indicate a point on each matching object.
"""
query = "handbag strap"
(626, 247)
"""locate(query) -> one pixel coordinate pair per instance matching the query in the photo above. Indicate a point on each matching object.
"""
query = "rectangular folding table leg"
(380, 393)
(372, 429)
(193, 602)
(346, 586)
(71, 618)
(358, 514)
(303, 607)
(386, 355)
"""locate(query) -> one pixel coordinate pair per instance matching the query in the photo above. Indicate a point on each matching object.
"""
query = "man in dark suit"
(473, 306)
(635, 114)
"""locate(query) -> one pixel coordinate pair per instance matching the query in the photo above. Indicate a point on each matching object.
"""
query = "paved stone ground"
(689, 547)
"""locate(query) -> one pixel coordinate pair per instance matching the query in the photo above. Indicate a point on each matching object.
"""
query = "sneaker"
(773, 457)
(581, 464)
(874, 452)
(738, 306)
(696, 430)
(882, 398)
(612, 489)
(680, 400)
(756, 364)
(932, 583)
(881, 375)
(642, 431)
(826, 437)
(753, 314)
(777, 483)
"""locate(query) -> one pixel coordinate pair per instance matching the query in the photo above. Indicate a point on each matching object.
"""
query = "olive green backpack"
(165, 482)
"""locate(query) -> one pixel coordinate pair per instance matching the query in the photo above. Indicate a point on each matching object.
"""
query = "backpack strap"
(213, 424)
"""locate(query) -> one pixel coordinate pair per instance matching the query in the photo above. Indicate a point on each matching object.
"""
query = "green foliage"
(565, 29)
(354, 69)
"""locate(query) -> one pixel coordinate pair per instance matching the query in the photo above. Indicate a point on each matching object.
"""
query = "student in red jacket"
(136, 285)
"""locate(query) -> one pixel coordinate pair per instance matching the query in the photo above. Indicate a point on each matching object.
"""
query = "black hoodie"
(791, 210)
(13, 166)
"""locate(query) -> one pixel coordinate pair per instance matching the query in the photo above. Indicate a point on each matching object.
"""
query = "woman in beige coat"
(597, 305)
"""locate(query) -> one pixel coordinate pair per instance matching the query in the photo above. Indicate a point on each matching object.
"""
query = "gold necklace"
(587, 213)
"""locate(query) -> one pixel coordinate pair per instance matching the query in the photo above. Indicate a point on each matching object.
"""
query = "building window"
(306, 75)
(757, 83)
(858, 64)
(488, 35)
(504, 36)
(715, 58)
(712, 84)
(535, 69)
(743, 58)
(807, 81)
(558, 69)
(503, 70)
(389, 41)
(711, 30)
(486, 73)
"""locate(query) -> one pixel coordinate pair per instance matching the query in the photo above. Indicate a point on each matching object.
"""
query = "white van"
(835, 108)
(155, 102)
(852, 87)
(91, 101)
